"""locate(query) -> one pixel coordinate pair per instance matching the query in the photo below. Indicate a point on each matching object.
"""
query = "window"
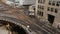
(49, 2)
(48, 9)
(56, 10)
(34, 8)
(38, 1)
(53, 3)
(52, 9)
(16, 4)
(41, 13)
(58, 3)
(41, 1)
(29, 12)
(40, 7)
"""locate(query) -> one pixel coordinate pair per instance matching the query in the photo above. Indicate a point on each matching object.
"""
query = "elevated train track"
(17, 16)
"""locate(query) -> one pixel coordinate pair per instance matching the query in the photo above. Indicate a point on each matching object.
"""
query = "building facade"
(48, 10)
(32, 10)
(20, 2)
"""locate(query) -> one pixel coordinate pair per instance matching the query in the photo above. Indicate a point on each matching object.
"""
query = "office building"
(48, 10)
